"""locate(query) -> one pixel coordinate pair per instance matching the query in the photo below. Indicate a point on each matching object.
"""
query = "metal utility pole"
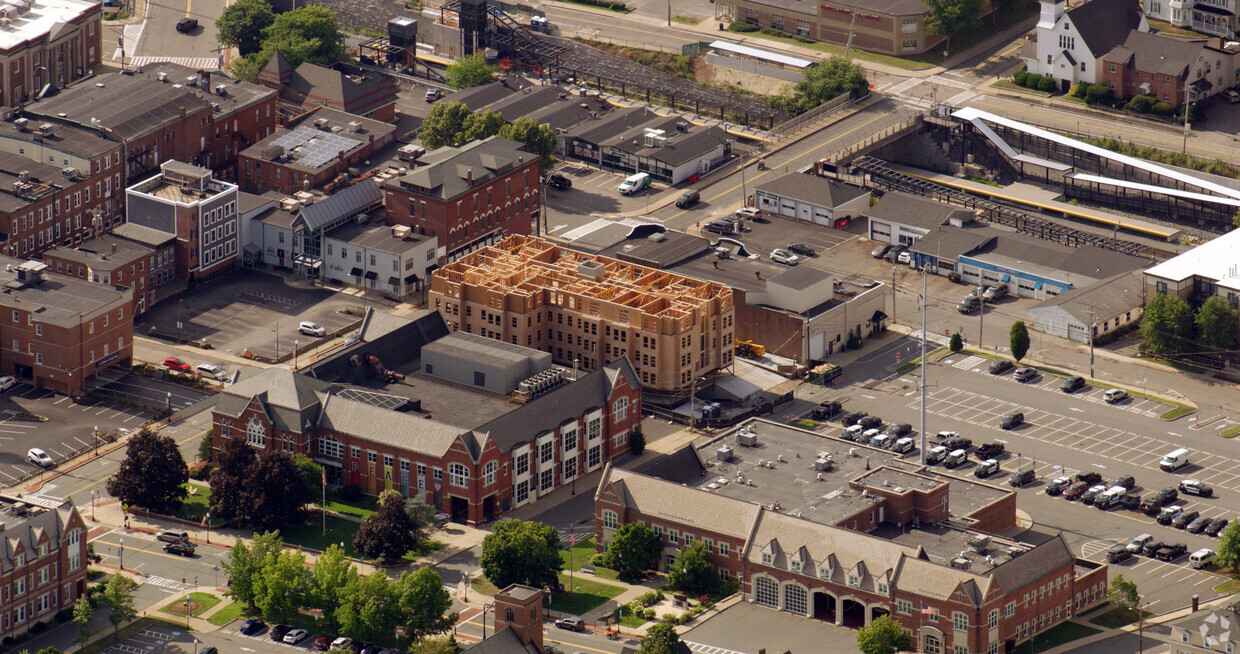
(1184, 148)
(894, 293)
(981, 315)
(924, 308)
(1093, 325)
(851, 25)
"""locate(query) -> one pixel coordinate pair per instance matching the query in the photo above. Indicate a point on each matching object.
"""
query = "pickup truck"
(989, 451)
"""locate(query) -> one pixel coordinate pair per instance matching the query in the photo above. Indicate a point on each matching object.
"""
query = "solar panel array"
(315, 147)
(373, 398)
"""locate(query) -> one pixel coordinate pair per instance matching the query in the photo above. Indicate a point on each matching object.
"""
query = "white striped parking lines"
(968, 363)
(1097, 395)
(709, 649)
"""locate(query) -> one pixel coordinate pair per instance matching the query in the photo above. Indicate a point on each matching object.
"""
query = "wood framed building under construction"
(588, 311)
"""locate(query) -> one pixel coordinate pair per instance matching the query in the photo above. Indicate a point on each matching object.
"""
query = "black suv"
(1012, 420)
(852, 417)
(1152, 504)
(826, 410)
(1057, 486)
(186, 25)
(720, 227)
(871, 422)
(1021, 477)
(969, 305)
(957, 443)
(279, 631)
(802, 249)
(180, 549)
(900, 429)
(1216, 526)
(1151, 547)
(1089, 477)
(1072, 384)
(559, 182)
(1127, 481)
(1184, 518)
(1171, 551)
(688, 199)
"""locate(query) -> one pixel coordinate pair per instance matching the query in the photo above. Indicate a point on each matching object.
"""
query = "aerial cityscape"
(619, 326)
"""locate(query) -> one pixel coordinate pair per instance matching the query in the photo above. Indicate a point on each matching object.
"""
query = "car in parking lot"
(894, 253)
(1012, 420)
(1130, 501)
(39, 457)
(880, 251)
(1058, 485)
(996, 292)
(1184, 518)
(1092, 493)
(1216, 526)
(903, 445)
(1198, 525)
(172, 536)
(180, 548)
(969, 305)
(1150, 547)
(1025, 374)
(1155, 502)
(780, 255)
(433, 94)
(936, 454)
(1118, 554)
(852, 433)
(1090, 478)
(343, 642)
(1194, 487)
(1072, 384)
(251, 627)
(173, 363)
(560, 182)
(278, 632)
(852, 417)
(957, 443)
(186, 25)
(1075, 491)
(1232, 95)
(322, 643)
(688, 199)
(750, 213)
(295, 636)
(311, 328)
(7, 382)
(571, 624)
(1115, 395)
(723, 227)
(802, 249)
(1139, 542)
(211, 371)
(826, 410)
(905, 257)
(1168, 513)
(883, 441)
(868, 435)
(1171, 551)
(900, 429)
(870, 422)
(1127, 481)
(1021, 477)
(999, 366)
(989, 451)
(986, 468)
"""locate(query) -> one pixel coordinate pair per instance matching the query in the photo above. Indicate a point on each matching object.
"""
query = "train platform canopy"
(763, 56)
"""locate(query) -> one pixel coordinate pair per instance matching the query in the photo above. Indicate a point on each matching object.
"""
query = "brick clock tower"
(520, 608)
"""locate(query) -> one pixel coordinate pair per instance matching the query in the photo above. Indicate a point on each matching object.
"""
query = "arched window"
(488, 473)
(620, 409)
(610, 520)
(255, 433)
(796, 599)
(766, 592)
(458, 474)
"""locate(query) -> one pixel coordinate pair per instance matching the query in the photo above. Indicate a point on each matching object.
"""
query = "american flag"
(929, 610)
(205, 518)
(572, 540)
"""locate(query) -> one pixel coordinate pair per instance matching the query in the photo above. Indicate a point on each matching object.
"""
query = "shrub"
(38, 628)
(956, 344)
(1097, 94)
(1140, 104)
(1046, 84)
(637, 442)
(729, 588)
(1032, 80)
(350, 493)
(742, 27)
(64, 615)
(648, 614)
(600, 559)
(1020, 77)
(200, 470)
(671, 618)
(1162, 109)
(1078, 90)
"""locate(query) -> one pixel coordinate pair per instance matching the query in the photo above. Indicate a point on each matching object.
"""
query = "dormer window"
(824, 573)
(767, 558)
(882, 588)
(854, 580)
(795, 565)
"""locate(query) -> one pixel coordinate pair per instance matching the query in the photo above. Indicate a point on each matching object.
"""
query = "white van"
(634, 183)
(1201, 558)
(1174, 460)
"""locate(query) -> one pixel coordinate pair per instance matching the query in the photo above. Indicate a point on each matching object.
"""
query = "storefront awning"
(409, 279)
(356, 272)
(1005, 279)
(370, 274)
(393, 281)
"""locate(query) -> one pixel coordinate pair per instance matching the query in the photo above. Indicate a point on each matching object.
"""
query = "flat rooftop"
(237, 94)
(66, 137)
(103, 253)
(447, 402)
(944, 544)
(129, 105)
(43, 17)
(64, 299)
(1214, 260)
(376, 237)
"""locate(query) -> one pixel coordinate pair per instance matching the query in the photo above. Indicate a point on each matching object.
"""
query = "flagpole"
(325, 501)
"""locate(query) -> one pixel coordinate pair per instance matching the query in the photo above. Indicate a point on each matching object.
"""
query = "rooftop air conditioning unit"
(355, 126)
(221, 89)
(320, 123)
(747, 439)
(21, 124)
(336, 129)
(4, 21)
(192, 80)
(961, 563)
(822, 463)
(290, 204)
(401, 231)
(724, 453)
(46, 129)
(162, 76)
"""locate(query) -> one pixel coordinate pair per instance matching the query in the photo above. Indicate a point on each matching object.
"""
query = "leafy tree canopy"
(522, 552)
(153, 474)
(242, 23)
(470, 70)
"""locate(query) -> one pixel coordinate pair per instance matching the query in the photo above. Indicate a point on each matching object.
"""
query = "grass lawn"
(1013, 86)
(340, 530)
(832, 49)
(631, 622)
(1064, 633)
(1230, 432)
(199, 603)
(1177, 412)
(1168, 28)
(805, 424)
(1116, 618)
(482, 585)
(1229, 587)
(584, 595)
(582, 552)
(687, 20)
(195, 505)
(360, 509)
(226, 614)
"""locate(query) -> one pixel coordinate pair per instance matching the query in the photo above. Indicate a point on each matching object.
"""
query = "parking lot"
(594, 193)
(255, 311)
(69, 428)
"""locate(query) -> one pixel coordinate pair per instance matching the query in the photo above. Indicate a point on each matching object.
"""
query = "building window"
(908, 25)
(255, 433)
(724, 549)
(458, 475)
(904, 607)
(768, 558)
(765, 592)
(854, 580)
(488, 473)
(522, 464)
(610, 520)
(960, 621)
(331, 448)
(620, 409)
(546, 452)
(992, 621)
(909, 45)
(594, 428)
(1009, 610)
(673, 536)
(882, 588)
(570, 440)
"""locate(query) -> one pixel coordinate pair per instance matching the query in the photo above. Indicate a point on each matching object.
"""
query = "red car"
(322, 643)
(1076, 490)
(176, 364)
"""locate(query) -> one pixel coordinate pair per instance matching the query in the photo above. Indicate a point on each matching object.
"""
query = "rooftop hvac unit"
(306, 197)
(747, 439)
(822, 464)
(273, 152)
(215, 106)
(336, 129)
(525, 387)
(724, 453)
(162, 76)
(23, 176)
(979, 544)
(320, 123)
(70, 173)
(46, 129)
(21, 124)
(290, 204)
(4, 21)
(355, 126)
(401, 231)
(961, 563)
(221, 89)
(192, 80)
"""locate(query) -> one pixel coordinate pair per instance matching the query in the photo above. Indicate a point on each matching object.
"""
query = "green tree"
(275, 492)
(1216, 324)
(389, 532)
(153, 474)
(1235, 220)
(692, 571)
(424, 603)
(1166, 322)
(83, 614)
(1227, 552)
(956, 343)
(247, 69)
(1123, 594)
(632, 548)
(282, 585)
(537, 138)
(823, 82)
(481, 125)
(205, 446)
(522, 552)
(637, 442)
(470, 70)
(444, 645)
(420, 513)
(230, 480)
(241, 25)
(311, 478)
(660, 639)
(309, 33)
(443, 124)
(369, 609)
(951, 18)
(883, 636)
(244, 564)
(1018, 340)
(331, 574)
(117, 600)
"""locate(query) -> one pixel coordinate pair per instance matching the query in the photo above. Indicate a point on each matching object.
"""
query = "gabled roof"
(290, 399)
(409, 431)
(503, 642)
(688, 506)
(848, 550)
(343, 203)
(1033, 565)
(355, 94)
(1104, 24)
(906, 209)
(1101, 301)
(278, 66)
(1157, 54)
(812, 189)
(445, 173)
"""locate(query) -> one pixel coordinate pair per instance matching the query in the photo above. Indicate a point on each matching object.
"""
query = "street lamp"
(168, 405)
(94, 495)
(195, 646)
(296, 344)
(122, 554)
(96, 436)
(484, 619)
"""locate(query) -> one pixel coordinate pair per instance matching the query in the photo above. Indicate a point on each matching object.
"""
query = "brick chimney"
(469, 176)
(520, 608)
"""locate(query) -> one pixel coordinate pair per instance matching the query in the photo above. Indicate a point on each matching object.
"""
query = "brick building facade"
(343, 87)
(42, 561)
(201, 212)
(47, 42)
(468, 197)
(311, 151)
(114, 261)
(44, 205)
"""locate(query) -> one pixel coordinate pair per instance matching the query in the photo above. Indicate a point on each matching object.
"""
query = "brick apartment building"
(311, 151)
(459, 444)
(468, 197)
(200, 211)
(590, 309)
(57, 331)
(343, 87)
(242, 113)
(955, 585)
(43, 205)
(155, 122)
(115, 261)
(1163, 67)
(47, 42)
(43, 563)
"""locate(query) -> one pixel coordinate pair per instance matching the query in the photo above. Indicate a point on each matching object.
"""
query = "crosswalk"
(709, 649)
(206, 63)
(969, 362)
(943, 80)
(902, 91)
(166, 583)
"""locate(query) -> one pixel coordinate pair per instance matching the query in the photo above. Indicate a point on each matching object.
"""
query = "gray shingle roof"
(444, 173)
(344, 203)
(688, 506)
(812, 190)
(916, 211)
(355, 94)
(1033, 565)
(408, 431)
(28, 529)
(1154, 53)
(1103, 300)
(131, 106)
(504, 642)
(290, 399)
(1104, 24)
